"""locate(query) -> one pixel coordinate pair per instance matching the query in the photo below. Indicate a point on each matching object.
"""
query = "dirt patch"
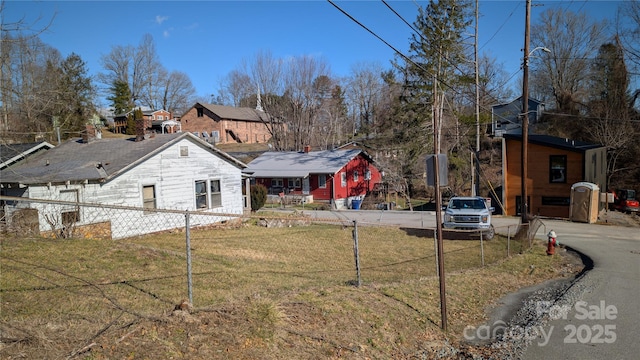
(619, 218)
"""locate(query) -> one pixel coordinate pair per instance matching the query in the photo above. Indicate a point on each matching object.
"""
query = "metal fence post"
(356, 253)
(509, 241)
(189, 278)
(481, 249)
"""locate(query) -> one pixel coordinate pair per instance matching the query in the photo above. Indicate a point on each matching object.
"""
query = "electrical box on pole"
(443, 172)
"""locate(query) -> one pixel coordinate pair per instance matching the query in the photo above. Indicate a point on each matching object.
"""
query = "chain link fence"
(81, 264)
(332, 251)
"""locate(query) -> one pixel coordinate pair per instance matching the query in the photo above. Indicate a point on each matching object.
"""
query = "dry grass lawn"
(258, 293)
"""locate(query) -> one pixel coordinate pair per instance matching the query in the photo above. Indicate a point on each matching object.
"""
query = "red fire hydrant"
(551, 243)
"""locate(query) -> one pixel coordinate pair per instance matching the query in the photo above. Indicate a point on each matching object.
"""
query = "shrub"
(258, 196)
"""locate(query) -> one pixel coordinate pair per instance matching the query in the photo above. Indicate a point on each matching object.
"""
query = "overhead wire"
(418, 65)
(444, 57)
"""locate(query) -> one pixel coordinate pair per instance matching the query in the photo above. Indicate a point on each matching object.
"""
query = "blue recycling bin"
(355, 204)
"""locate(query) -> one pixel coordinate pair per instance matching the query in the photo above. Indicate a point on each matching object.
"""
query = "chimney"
(139, 129)
(307, 148)
(89, 134)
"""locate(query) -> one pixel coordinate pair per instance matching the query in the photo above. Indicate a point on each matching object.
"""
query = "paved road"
(602, 320)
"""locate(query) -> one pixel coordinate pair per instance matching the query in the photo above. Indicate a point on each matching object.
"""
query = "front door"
(305, 186)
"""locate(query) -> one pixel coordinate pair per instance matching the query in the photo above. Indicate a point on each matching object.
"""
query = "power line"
(406, 57)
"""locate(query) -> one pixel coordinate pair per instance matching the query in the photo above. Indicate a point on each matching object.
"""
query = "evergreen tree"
(139, 124)
(429, 80)
(131, 124)
(121, 97)
(610, 112)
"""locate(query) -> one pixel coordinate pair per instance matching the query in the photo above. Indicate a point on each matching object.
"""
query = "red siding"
(352, 188)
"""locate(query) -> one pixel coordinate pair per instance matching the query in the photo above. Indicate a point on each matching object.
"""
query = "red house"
(336, 177)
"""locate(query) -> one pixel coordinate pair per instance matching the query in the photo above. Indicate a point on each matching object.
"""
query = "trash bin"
(355, 204)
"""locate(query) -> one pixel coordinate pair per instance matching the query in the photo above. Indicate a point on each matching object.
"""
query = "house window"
(210, 196)
(216, 194)
(200, 112)
(355, 176)
(294, 183)
(276, 182)
(201, 194)
(69, 214)
(184, 151)
(558, 169)
(215, 135)
(556, 200)
(343, 178)
(322, 181)
(149, 197)
(367, 174)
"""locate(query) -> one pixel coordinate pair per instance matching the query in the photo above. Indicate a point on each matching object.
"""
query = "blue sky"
(208, 39)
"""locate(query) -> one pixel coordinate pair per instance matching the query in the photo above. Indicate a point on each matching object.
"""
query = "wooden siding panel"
(538, 184)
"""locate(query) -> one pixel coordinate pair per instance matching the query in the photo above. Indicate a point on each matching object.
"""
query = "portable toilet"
(584, 202)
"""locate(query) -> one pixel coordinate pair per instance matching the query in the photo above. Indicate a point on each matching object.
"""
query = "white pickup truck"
(469, 213)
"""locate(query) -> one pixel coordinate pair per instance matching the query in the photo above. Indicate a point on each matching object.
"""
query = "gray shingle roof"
(12, 153)
(300, 164)
(99, 160)
(234, 113)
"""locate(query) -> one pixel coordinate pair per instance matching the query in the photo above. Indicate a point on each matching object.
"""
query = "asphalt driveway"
(602, 317)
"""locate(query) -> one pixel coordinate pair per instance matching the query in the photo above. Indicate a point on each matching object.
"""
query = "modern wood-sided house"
(554, 165)
(332, 176)
(226, 124)
(171, 171)
(11, 154)
(150, 117)
(506, 118)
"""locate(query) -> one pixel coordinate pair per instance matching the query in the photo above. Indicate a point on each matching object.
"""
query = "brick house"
(226, 124)
(150, 117)
(554, 165)
(336, 177)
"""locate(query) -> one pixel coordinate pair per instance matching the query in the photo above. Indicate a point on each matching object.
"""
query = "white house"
(169, 171)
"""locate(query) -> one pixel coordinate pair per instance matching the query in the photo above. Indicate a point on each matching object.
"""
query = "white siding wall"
(174, 179)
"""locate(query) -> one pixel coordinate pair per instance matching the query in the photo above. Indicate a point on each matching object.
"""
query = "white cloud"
(160, 19)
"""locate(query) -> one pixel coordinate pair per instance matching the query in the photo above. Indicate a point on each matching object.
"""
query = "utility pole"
(476, 158)
(525, 118)
(438, 199)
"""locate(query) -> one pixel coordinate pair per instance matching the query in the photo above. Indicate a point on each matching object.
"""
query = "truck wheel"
(489, 234)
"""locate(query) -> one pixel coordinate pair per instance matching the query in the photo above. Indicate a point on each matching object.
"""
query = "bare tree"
(238, 86)
(628, 29)
(173, 91)
(573, 39)
(178, 92)
(266, 74)
(364, 89)
(302, 95)
(137, 66)
(16, 38)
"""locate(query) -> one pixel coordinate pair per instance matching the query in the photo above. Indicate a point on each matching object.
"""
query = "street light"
(525, 115)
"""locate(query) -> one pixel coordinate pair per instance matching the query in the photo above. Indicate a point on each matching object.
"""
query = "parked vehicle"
(469, 213)
(625, 200)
